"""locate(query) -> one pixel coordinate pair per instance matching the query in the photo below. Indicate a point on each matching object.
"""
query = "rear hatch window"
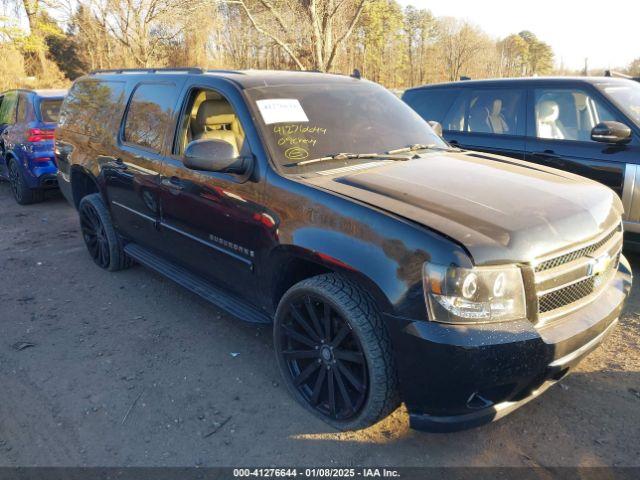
(50, 110)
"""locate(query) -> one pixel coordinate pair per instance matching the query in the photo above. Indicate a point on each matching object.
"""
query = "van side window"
(568, 114)
(91, 106)
(492, 111)
(431, 104)
(149, 114)
(208, 115)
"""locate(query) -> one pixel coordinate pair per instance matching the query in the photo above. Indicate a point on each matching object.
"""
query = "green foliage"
(539, 55)
(381, 25)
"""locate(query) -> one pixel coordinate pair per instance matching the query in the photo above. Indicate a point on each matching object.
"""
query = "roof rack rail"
(223, 70)
(149, 70)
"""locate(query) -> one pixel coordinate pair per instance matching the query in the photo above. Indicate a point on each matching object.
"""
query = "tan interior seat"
(216, 120)
(547, 120)
(496, 119)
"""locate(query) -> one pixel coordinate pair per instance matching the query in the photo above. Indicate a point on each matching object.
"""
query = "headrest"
(581, 101)
(496, 108)
(215, 112)
(548, 111)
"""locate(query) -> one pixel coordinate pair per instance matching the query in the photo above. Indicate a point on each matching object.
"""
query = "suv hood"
(499, 209)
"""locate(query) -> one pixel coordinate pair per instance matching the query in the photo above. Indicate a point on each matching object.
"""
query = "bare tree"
(459, 43)
(143, 26)
(329, 24)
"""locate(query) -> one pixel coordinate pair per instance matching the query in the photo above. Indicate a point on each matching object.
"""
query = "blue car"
(27, 123)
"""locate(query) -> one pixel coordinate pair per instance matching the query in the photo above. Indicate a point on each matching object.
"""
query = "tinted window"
(21, 116)
(431, 104)
(50, 109)
(305, 122)
(492, 111)
(626, 95)
(568, 114)
(149, 114)
(8, 108)
(91, 106)
(455, 118)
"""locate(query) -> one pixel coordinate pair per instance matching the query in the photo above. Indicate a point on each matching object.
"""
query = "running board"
(197, 285)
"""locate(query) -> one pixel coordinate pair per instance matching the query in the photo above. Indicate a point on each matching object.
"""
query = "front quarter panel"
(383, 252)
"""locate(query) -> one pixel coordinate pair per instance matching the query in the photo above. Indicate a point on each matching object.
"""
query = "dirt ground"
(129, 369)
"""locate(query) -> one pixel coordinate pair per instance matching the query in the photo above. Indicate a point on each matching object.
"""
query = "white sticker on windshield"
(281, 110)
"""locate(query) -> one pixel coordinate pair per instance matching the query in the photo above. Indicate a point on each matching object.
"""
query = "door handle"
(173, 183)
(547, 152)
(454, 142)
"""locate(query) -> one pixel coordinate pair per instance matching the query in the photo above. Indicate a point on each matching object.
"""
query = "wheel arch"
(292, 264)
(83, 183)
(9, 154)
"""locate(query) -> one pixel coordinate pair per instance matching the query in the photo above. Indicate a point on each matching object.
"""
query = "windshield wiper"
(412, 148)
(350, 156)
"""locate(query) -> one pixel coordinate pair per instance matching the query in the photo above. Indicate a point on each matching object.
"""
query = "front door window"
(568, 114)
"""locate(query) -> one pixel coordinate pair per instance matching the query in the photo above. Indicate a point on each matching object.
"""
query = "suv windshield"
(305, 122)
(626, 95)
(50, 110)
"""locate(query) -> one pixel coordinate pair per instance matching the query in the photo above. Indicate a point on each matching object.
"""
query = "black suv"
(586, 125)
(392, 267)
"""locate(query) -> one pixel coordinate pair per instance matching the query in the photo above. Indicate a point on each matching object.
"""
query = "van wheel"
(334, 352)
(21, 191)
(101, 239)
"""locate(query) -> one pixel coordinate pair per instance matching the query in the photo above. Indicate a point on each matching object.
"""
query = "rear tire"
(22, 194)
(328, 330)
(100, 237)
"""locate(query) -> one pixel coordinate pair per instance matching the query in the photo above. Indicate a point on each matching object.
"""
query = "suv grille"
(570, 280)
(582, 252)
(566, 295)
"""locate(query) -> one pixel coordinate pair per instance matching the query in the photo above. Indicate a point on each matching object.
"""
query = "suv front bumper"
(454, 377)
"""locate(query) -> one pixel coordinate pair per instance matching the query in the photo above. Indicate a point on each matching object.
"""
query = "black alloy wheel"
(335, 353)
(324, 357)
(94, 234)
(103, 242)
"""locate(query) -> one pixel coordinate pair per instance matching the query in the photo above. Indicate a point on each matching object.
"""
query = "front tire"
(22, 194)
(334, 352)
(100, 237)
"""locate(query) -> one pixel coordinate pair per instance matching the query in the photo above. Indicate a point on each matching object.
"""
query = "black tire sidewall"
(118, 259)
(369, 413)
(27, 195)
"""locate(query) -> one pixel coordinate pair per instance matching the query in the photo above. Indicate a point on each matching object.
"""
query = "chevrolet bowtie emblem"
(598, 265)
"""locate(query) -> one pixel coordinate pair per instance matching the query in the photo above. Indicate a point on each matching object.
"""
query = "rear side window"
(8, 108)
(493, 111)
(50, 109)
(149, 114)
(21, 116)
(91, 106)
(431, 104)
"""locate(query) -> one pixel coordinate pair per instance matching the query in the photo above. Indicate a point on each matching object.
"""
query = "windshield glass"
(626, 95)
(305, 122)
(50, 110)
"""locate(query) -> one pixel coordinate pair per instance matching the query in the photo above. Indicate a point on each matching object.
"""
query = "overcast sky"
(607, 32)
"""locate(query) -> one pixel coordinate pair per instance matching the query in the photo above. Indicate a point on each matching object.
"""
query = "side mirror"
(611, 132)
(213, 155)
(437, 127)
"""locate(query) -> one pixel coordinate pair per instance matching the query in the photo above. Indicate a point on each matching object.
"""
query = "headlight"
(473, 295)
